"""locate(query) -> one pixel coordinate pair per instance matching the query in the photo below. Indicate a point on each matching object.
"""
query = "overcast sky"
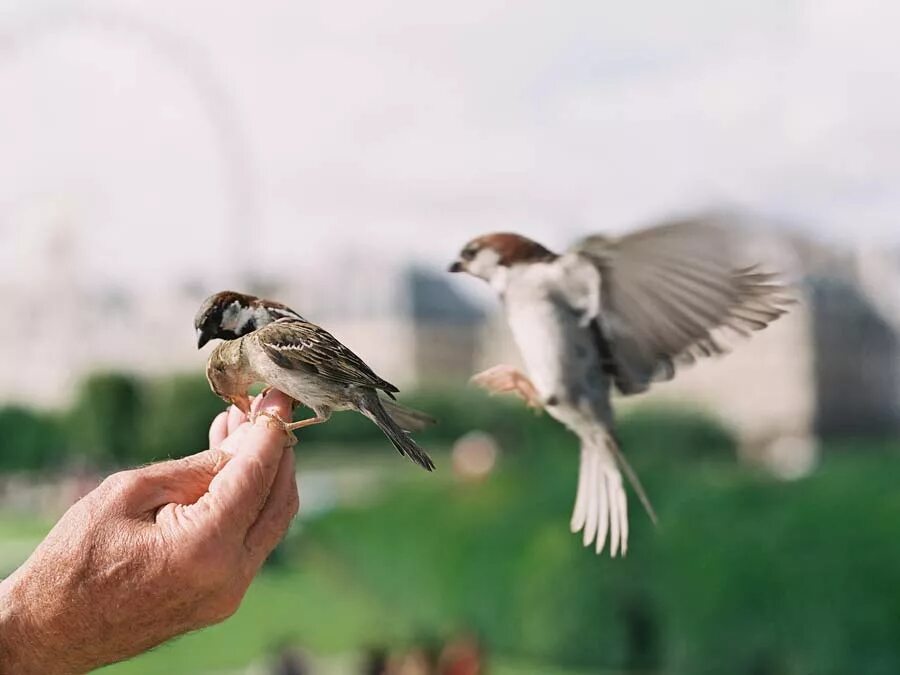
(174, 138)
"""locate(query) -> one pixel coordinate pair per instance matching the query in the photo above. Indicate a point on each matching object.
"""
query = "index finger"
(239, 491)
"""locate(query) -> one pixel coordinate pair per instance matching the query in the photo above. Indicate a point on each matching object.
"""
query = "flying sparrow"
(617, 312)
(267, 342)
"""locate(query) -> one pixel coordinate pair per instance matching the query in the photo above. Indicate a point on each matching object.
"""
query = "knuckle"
(121, 482)
(226, 606)
(232, 600)
(257, 477)
(219, 458)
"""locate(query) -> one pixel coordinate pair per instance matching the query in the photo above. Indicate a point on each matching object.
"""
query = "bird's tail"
(407, 419)
(601, 507)
(373, 408)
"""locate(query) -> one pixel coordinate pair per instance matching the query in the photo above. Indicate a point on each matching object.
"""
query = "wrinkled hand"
(152, 552)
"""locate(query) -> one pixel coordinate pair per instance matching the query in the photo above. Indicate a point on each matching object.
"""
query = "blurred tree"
(175, 418)
(30, 440)
(103, 422)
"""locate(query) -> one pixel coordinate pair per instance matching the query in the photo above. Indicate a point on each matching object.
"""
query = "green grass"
(17, 526)
(317, 606)
(314, 606)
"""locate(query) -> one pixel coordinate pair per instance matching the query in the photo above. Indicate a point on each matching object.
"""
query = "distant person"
(462, 656)
(152, 553)
(376, 662)
(416, 661)
(290, 661)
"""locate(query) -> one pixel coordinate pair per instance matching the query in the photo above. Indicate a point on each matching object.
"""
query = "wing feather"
(297, 344)
(667, 292)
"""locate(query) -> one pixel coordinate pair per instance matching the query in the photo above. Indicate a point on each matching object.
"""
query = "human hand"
(152, 552)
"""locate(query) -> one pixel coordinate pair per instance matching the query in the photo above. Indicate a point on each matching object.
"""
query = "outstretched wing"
(296, 344)
(665, 292)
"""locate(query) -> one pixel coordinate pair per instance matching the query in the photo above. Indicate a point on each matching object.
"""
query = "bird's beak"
(242, 403)
(202, 338)
(456, 266)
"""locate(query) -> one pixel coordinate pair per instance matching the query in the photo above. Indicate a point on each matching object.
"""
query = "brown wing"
(296, 344)
(667, 289)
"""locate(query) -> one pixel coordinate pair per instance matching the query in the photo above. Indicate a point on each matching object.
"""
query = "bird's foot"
(278, 424)
(508, 379)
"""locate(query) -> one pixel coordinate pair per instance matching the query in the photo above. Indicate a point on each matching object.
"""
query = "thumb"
(177, 481)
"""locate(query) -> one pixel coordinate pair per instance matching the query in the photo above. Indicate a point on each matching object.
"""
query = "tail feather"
(601, 507)
(633, 479)
(373, 408)
(406, 418)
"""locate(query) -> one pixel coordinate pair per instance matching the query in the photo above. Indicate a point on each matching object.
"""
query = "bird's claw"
(276, 423)
(507, 379)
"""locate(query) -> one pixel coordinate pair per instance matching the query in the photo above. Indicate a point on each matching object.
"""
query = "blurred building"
(831, 368)
(409, 324)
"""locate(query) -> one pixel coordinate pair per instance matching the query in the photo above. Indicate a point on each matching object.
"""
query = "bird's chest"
(309, 388)
(558, 351)
(543, 333)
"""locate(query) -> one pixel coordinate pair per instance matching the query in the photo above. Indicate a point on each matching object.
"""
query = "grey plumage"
(666, 291)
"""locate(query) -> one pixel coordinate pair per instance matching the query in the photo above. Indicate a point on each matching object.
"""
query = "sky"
(160, 140)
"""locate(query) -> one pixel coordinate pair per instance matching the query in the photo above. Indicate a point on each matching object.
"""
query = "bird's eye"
(467, 254)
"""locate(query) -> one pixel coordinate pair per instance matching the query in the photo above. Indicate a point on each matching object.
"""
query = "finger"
(235, 418)
(239, 492)
(218, 430)
(277, 514)
(234, 441)
(255, 403)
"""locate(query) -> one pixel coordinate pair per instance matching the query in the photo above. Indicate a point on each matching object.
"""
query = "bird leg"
(318, 419)
(276, 422)
(508, 379)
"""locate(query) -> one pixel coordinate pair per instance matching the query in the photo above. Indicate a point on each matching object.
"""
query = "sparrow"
(267, 342)
(615, 312)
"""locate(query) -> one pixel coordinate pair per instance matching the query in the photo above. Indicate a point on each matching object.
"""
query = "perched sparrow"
(614, 311)
(267, 342)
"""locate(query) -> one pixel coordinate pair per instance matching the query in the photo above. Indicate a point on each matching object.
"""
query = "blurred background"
(335, 156)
